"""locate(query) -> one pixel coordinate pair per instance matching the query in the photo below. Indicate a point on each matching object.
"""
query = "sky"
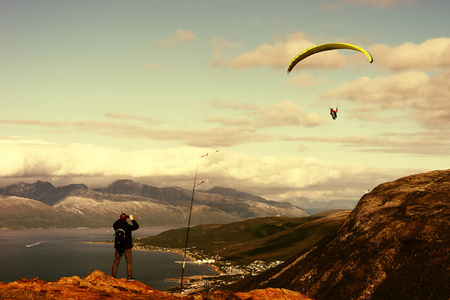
(94, 91)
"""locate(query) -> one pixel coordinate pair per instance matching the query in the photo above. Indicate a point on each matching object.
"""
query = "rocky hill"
(394, 245)
(98, 285)
(77, 205)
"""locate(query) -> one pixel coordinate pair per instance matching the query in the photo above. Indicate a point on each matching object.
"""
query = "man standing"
(123, 243)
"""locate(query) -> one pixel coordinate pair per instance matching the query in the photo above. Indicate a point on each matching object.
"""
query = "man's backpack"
(120, 238)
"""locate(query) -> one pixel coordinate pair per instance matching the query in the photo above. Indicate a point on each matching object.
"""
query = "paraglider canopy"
(326, 47)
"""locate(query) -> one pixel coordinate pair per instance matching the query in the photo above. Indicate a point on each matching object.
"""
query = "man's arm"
(135, 224)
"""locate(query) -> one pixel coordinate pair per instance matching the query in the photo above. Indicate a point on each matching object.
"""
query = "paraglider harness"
(333, 112)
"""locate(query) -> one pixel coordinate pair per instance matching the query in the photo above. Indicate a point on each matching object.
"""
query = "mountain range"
(42, 205)
(395, 244)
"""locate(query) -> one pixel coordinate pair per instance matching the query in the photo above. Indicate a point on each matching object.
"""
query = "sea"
(49, 254)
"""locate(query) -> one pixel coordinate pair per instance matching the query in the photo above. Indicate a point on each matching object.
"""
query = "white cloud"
(421, 97)
(432, 54)
(266, 176)
(399, 90)
(180, 36)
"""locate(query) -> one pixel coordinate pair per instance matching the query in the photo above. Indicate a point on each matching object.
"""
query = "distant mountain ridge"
(41, 191)
(152, 206)
(316, 206)
(234, 193)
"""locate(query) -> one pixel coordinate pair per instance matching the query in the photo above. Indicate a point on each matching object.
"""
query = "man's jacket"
(123, 224)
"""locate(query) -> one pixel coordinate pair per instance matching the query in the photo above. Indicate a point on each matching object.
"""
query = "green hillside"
(268, 239)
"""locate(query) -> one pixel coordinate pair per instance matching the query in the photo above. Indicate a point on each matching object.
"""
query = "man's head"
(123, 216)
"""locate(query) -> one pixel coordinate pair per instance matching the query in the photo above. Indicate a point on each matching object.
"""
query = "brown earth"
(99, 285)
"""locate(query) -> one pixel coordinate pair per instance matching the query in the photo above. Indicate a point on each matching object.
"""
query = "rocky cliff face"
(98, 285)
(394, 245)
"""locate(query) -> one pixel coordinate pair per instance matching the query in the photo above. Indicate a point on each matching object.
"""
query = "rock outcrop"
(98, 285)
(394, 245)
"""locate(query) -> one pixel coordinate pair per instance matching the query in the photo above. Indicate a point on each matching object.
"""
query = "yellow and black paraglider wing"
(326, 47)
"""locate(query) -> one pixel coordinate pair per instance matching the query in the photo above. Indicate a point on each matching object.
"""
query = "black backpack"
(120, 238)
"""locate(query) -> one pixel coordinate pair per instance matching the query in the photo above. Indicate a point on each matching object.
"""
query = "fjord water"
(54, 253)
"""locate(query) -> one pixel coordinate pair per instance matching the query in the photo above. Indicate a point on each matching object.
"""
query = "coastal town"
(227, 272)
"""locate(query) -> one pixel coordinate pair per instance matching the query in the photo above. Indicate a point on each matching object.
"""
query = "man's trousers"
(129, 260)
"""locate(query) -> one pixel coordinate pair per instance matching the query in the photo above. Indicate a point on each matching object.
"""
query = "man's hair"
(123, 216)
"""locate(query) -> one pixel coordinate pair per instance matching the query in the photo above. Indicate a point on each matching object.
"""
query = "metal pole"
(189, 221)
(189, 224)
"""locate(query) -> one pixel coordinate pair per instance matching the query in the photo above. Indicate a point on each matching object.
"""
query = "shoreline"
(190, 257)
(190, 283)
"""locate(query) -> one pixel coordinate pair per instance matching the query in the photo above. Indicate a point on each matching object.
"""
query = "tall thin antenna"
(189, 221)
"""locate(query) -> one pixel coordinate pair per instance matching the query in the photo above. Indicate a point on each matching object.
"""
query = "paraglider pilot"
(333, 113)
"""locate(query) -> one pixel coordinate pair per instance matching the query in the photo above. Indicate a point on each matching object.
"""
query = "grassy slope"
(268, 239)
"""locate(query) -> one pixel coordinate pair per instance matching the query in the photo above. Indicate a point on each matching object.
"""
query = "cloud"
(380, 3)
(432, 54)
(181, 36)
(198, 137)
(243, 121)
(56, 124)
(277, 55)
(224, 136)
(250, 124)
(126, 117)
(233, 105)
(17, 140)
(399, 90)
(417, 95)
(268, 176)
(423, 143)
(152, 66)
(286, 113)
(219, 45)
